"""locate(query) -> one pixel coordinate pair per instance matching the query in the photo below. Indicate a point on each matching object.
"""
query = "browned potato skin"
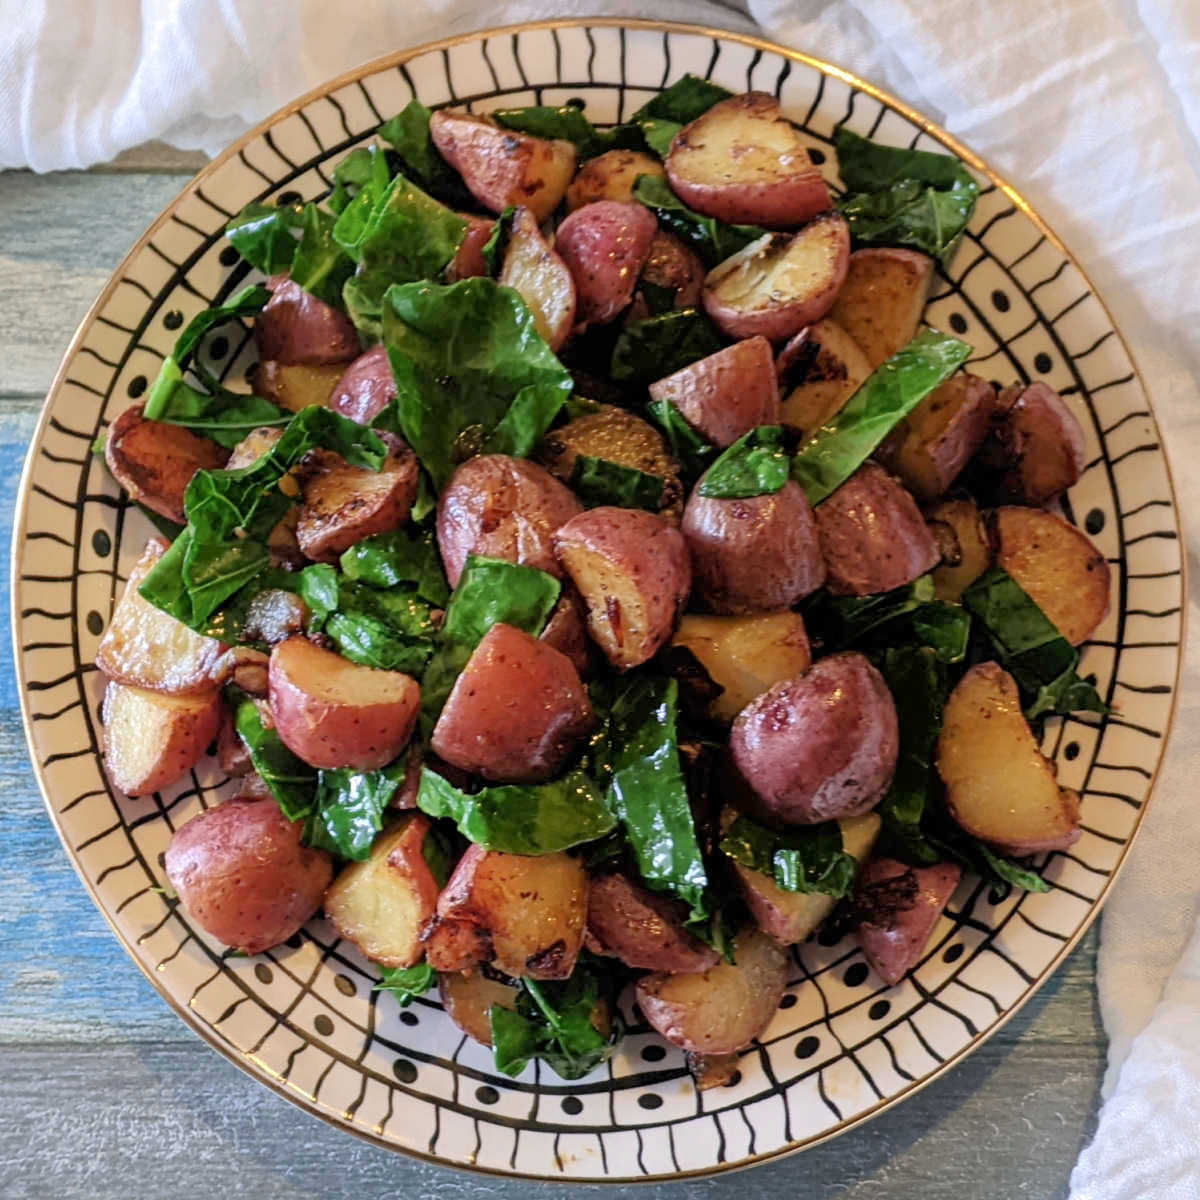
(725, 1008)
(154, 461)
(295, 328)
(516, 712)
(645, 931)
(468, 261)
(634, 574)
(743, 162)
(753, 555)
(671, 265)
(384, 903)
(151, 739)
(502, 507)
(147, 648)
(604, 245)
(973, 548)
(454, 945)
(566, 630)
(540, 278)
(335, 713)
(468, 1001)
(894, 948)
(344, 504)
(779, 284)
(243, 875)
(1042, 443)
(882, 298)
(1057, 564)
(366, 387)
(873, 537)
(837, 368)
(610, 176)
(532, 909)
(501, 167)
(726, 394)
(999, 786)
(296, 386)
(819, 747)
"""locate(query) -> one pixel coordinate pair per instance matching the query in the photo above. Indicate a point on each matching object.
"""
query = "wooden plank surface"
(105, 1093)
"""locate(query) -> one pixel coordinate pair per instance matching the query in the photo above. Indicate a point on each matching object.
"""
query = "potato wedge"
(779, 284)
(829, 368)
(147, 648)
(468, 261)
(610, 176)
(790, 917)
(296, 386)
(366, 387)
(501, 167)
(742, 161)
(960, 519)
(297, 328)
(882, 299)
(383, 904)
(634, 574)
(154, 461)
(468, 1001)
(1040, 442)
(999, 786)
(604, 245)
(540, 278)
(726, 394)
(725, 1008)
(1066, 576)
(151, 739)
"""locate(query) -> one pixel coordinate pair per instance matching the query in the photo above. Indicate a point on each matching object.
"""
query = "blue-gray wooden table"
(105, 1093)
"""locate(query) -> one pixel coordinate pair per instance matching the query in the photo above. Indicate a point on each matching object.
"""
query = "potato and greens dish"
(608, 579)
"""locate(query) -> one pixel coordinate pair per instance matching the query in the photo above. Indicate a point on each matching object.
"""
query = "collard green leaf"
(659, 134)
(493, 250)
(599, 481)
(406, 983)
(659, 346)
(569, 124)
(226, 417)
(227, 624)
(290, 780)
(266, 235)
(404, 557)
(691, 450)
(348, 811)
(366, 167)
(944, 628)
(686, 99)
(320, 266)
(713, 240)
(318, 587)
(408, 132)
(1010, 872)
(757, 464)
(798, 860)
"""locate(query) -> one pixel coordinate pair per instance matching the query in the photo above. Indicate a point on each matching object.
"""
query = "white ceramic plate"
(303, 1019)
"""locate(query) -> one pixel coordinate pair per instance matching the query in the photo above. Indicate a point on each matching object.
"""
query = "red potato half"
(610, 176)
(742, 161)
(501, 507)
(819, 747)
(468, 261)
(501, 167)
(468, 1001)
(365, 388)
(516, 712)
(566, 630)
(726, 394)
(835, 369)
(634, 574)
(893, 945)
(959, 522)
(882, 298)
(1040, 442)
(873, 537)
(758, 554)
(779, 284)
(540, 278)
(295, 328)
(296, 386)
(604, 245)
(334, 713)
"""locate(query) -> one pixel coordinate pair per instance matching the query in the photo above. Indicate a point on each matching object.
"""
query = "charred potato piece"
(999, 786)
(671, 267)
(604, 244)
(566, 630)
(468, 1001)
(959, 523)
(610, 176)
(468, 261)
(820, 369)
(365, 388)
(295, 328)
(540, 277)
(1040, 442)
(295, 386)
(882, 299)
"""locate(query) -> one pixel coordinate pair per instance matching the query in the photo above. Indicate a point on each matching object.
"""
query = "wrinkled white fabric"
(1091, 106)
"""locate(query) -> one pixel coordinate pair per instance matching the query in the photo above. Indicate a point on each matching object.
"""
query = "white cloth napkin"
(1091, 106)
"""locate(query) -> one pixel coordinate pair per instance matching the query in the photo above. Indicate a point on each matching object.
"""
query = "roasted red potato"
(819, 370)
(566, 630)
(502, 168)
(743, 161)
(819, 747)
(999, 786)
(365, 388)
(780, 283)
(540, 278)
(334, 713)
(894, 942)
(882, 298)
(873, 537)
(726, 1007)
(531, 912)
(963, 541)
(272, 617)
(468, 1001)
(297, 386)
(501, 507)
(253, 446)
(1066, 576)
(672, 267)
(516, 712)
(468, 261)
(634, 574)
(605, 244)
(145, 647)
(610, 176)
(726, 394)
(384, 903)
(232, 756)
(295, 328)
(1040, 442)
(753, 555)
(344, 504)
(154, 461)
(644, 931)
(244, 876)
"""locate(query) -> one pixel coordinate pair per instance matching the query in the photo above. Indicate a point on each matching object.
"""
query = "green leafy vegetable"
(598, 481)
(408, 132)
(713, 240)
(266, 235)
(317, 586)
(667, 113)
(349, 808)
(225, 416)
(289, 779)
(757, 464)
(404, 557)
(497, 243)
(406, 983)
(689, 447)
(799, 860)
(321, 266)
(569, 124)
(659, 346)
(1010, 872)
(366, 167)
(227, 624)
(839, 448)
(945, 628)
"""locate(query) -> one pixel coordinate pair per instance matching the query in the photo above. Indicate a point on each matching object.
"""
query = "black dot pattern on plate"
(1000, 301)
(404, 1071)
(137, 385)
(576, 102)
(808, 1046)
(1094, 521)
(218, 347)
(1090, 677)
(173, 319)
(733, 1080)
(249, 372)
(95, 623)
(788, 1001)
(344, 984)
(409, 1018)
(816, 154)
(229, 256)
(653, 1053)
(856, 974)
(322, 1024)
(102, 543)
(650, 1100)
(953, 953)
(828, 936)
(879, 1010)
(572, 1106)
(264, 974)
(1042, 363)
(295, 942)
(958, 323)
(1071, 752)
(486, 1094)
(285, 198)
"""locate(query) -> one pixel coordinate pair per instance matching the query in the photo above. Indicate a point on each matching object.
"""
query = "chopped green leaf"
(408, 132)
(266, 235)
(1010, 872)
(798, 860)
(713, 240)
(659, 346)
(757, 464)
(226, 417)
(569, 124)
(598, 481)
(689, 447)
(686, 99)
(659, 134)
(497, 243)
(403, 557)
(321, 266)
(349, 808)
(406, 983)
(290, 780)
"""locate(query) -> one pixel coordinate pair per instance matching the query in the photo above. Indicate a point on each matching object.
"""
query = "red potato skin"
(726, 394)
(643, 930)
(468, 261)
(297, 328)
(604, 245)
(456, 945)
(759, 554)
(367, 387)
(817, 747)
(516, 712)
(670, 264)
(243, 875)
(873, 537)
(502, 507)
(566, 630)
(1041, 439)
(895, 948)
